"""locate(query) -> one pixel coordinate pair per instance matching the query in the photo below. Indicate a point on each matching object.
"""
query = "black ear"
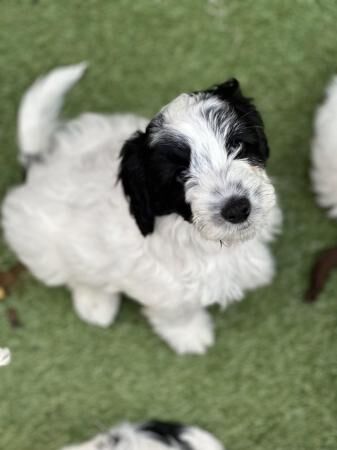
(263, 143)
(228, 89)
(133, 176)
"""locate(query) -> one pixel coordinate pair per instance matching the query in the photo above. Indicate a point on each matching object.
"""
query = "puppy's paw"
(193, 335)
(96, 308)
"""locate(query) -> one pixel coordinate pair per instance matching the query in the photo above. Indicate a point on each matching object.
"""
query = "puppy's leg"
(186, 330)
(94, 306)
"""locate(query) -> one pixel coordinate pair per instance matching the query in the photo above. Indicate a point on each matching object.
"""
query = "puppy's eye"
(180, 177)
(236, 144)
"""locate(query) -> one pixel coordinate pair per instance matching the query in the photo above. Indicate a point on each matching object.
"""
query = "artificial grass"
(270, 382)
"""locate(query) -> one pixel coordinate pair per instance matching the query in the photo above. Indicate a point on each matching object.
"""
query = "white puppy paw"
(193, 335)
(96, 308)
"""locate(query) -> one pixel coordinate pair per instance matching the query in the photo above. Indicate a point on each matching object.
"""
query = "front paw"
(192, 336)
(95, 308)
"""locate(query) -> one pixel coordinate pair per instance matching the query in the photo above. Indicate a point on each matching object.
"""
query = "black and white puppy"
(153, 435)
(176, 212)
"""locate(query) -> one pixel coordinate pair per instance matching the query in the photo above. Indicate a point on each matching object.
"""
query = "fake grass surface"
(270, 382)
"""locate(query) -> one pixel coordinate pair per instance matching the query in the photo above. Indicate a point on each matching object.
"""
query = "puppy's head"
(203, 157)
(152, 435)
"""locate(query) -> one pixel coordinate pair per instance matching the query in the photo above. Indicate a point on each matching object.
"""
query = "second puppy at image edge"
(324, 151)
(324, 180)
(176, 212)
(152, 435)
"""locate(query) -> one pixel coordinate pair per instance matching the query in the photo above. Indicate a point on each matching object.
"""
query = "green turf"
(270, 382)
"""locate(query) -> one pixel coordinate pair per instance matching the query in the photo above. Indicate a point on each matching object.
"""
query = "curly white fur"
(324, 151)
(130, 437)
(70, 224)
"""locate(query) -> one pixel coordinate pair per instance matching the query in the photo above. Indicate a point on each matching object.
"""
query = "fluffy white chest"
(208, 271)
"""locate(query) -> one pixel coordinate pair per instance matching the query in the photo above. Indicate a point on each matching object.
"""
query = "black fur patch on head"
(168, 162)
(249, 131)
(133, 174)
(153, 176)
(168, 433)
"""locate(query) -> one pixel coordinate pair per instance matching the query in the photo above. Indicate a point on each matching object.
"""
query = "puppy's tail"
(39, 110)
(324, 151)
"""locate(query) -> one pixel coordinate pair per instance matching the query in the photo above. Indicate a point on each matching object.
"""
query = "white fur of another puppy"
(70, 224)
(129, 437)
(324, 151)
(5, 357)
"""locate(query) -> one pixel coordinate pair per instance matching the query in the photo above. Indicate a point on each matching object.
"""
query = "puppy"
(324, 180)
(176, 212)
(151, 436)
(324, 151)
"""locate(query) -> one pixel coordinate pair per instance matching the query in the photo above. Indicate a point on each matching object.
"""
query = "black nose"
(236, 210)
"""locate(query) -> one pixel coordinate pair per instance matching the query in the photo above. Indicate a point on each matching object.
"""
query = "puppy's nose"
(236, 210)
